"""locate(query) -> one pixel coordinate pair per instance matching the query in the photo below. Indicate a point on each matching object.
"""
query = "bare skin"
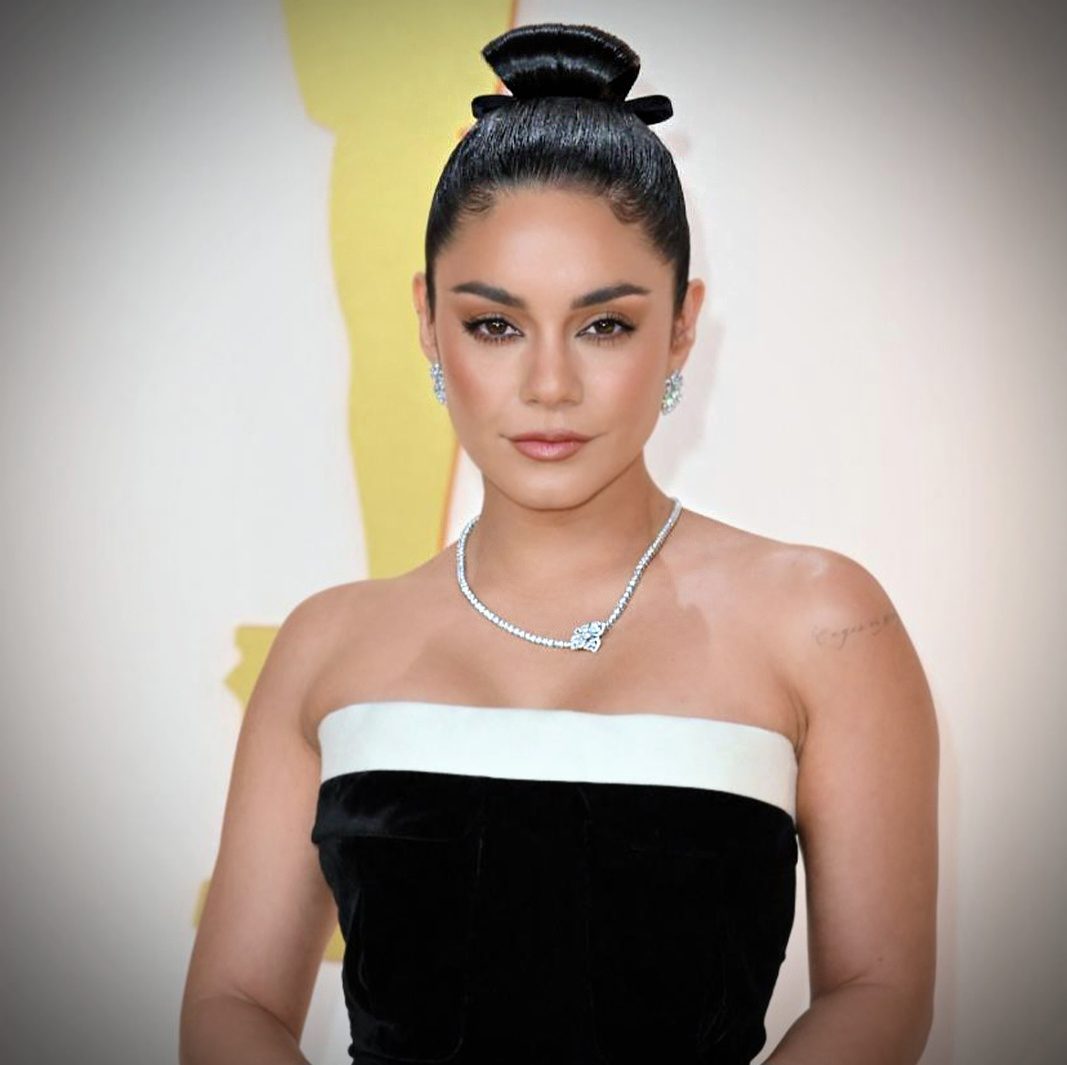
(724, 624)
(694, 639)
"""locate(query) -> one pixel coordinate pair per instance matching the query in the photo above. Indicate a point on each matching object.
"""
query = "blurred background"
(198, 272)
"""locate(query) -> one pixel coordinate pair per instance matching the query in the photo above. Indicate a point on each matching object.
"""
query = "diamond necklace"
(587, 636)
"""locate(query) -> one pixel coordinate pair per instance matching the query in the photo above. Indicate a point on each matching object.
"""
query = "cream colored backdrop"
(198, 271)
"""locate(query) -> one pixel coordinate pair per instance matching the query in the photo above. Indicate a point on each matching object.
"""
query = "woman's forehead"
(539, 206)
(532, 238)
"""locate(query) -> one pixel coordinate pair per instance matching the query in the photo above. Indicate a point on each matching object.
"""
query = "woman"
(554, 781)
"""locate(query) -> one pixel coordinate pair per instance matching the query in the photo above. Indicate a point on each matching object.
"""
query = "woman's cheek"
(632, 391)
(469, 380)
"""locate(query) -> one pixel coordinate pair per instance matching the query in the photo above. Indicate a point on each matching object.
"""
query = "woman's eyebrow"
(598, 295)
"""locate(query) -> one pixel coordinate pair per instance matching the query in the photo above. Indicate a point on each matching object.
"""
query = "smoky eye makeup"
(485, 328)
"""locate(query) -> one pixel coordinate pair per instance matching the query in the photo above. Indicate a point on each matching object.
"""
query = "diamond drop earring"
(438, 376)
(672, 391)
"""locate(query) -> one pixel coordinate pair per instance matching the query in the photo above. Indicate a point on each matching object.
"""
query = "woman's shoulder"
(316, 619)
(322, 628)
(345, 628)
(338, 601)
(804, 569)
(805, 600)
(329, 619)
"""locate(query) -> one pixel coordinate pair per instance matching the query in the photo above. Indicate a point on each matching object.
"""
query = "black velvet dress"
(560, 887)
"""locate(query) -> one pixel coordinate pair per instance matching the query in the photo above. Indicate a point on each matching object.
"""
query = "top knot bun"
(563, 59)
(564, 121)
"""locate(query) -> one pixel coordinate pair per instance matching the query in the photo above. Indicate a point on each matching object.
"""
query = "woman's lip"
(548, 449)
(553, 436)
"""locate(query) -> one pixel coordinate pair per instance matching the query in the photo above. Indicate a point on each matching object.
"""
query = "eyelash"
(471, 326)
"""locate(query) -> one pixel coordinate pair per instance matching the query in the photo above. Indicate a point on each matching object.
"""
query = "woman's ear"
(685, 324)
(427, 337)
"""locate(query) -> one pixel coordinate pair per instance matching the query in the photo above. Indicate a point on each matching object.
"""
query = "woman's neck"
(532, 552)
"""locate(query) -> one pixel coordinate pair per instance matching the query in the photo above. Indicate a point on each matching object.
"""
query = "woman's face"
(551, 315)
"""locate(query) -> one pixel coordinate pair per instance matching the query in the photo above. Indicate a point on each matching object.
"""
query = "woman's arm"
(268, 913)
(866, 819)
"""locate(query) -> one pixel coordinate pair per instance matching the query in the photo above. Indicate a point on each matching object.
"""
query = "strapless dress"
(556, 887)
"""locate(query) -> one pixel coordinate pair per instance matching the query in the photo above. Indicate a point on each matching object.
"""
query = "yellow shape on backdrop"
(393, 79)
(253, 642)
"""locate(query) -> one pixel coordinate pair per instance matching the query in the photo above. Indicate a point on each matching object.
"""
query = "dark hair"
(566, 126)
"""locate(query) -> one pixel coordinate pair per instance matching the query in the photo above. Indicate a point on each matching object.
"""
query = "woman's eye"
(494, 331)
(624, 328)
(491, 335)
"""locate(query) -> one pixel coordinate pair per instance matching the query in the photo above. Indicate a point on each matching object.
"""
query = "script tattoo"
(836, 637)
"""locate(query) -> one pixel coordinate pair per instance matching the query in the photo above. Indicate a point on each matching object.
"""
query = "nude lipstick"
(549, 446)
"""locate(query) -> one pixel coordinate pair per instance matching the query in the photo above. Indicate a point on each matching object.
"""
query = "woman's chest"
(673, 658)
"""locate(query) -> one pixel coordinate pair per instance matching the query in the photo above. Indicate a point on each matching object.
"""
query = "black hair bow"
(650, 109)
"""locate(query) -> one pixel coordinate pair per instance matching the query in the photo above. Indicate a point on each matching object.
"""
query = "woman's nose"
(551, 376)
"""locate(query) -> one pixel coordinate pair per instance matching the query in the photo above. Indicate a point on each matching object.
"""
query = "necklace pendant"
(586, 637)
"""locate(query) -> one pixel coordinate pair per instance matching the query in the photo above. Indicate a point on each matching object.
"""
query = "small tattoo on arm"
(836, 638)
